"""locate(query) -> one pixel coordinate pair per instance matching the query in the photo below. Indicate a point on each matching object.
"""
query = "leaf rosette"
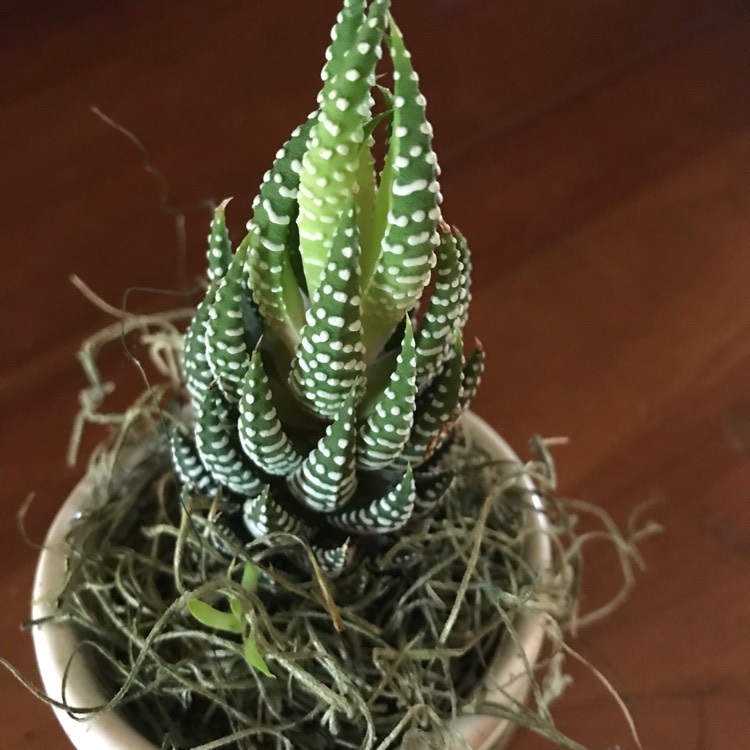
(320, 399)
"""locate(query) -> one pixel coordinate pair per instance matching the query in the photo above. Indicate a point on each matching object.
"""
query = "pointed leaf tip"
(387, 429)
(219, 245)
(327, 477)
(410, 235)
(261, 432)
(264, 515)
(384, 515)
(330, 164)
(218, 446)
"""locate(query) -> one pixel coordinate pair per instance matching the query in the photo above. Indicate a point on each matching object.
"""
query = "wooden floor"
(596, 153)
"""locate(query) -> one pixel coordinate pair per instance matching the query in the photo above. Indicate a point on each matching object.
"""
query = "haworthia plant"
(320, 396)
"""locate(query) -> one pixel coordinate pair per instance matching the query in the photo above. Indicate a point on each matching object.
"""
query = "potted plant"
(303, 538)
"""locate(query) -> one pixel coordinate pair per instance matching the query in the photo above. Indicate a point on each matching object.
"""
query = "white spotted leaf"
(327, 477)
(330, 164)
(329, 359)
(409, 196)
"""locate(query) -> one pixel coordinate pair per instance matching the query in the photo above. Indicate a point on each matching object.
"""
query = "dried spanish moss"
(354, 658)
(381, 657)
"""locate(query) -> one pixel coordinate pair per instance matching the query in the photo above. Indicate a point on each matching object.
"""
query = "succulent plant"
(320, 398)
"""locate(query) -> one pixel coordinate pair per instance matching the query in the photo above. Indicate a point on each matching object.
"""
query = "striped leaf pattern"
(383, 436)
(408, 246)
(330, 356)
(436, 410)
(318, 393)
(471, 377)
(219, 245)
(330, 164)
(382, 516)
(431, 489)
(226, 345)
(263, 515)
(188, 465)
(196, 370)
(327, 478)
(261, 433)
(273, 240)
(440, 322)
(465, 295)
(218, 446)
(332, 560)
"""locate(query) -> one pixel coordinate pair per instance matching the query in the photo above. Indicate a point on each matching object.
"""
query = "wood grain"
(597, 155)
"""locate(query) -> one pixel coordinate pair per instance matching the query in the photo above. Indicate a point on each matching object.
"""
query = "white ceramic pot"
(55, 643)
(508, 681)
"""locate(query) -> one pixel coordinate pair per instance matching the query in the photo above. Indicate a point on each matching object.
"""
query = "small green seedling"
(234, 621)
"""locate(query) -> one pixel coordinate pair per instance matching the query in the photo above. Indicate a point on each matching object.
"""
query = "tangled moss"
(384, 656)
(352, 656)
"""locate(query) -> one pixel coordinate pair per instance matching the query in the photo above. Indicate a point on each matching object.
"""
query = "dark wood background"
(597, 155)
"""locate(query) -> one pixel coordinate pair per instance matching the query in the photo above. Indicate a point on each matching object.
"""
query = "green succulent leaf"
(219, 246)
(188, 466)
(472, 376)
(386, 116)
(332, 560)
(384, 515)
(218, 446)
(274, 240)
(343, 36)
(465, 295)
(254, 658)
(198, 375)
(440, 321)
(410, 236)
(436, 409)
(365, 187)
(368, 194)
(381, 212)
(214, 618)
(431, 489)
(263, 515)
(261, 433)
(226, 343)
(329, 360)
(327, 477)
(385, 433)
(330, 164)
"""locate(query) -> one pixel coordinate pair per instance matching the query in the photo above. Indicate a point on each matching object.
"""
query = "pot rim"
(507, 681)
